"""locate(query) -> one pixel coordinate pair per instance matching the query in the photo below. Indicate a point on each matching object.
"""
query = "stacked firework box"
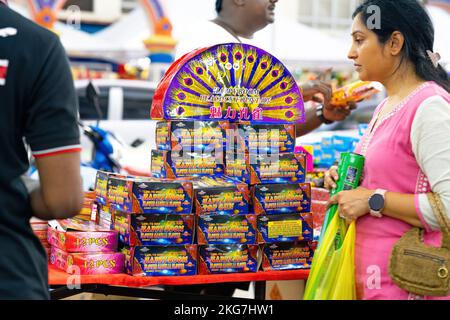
(39, 228)
(193, 151)
(154, 221)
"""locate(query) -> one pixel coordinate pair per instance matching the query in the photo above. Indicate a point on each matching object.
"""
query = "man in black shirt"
(38, 103)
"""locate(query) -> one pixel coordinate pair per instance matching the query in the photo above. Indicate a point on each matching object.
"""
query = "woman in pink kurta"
(407, 143)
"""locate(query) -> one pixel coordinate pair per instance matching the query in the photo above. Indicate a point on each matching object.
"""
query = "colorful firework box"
(87, 263)
(287, 256)
(192, 135)
(106, 219)
(276, 168)
(154, 229)
(101, 185)
(150, 195)
(266, 139)
(174, 164)
(285, 227)
(281, 198)
(161, 260)
(232, 82)
(226, 229)
(233, 258)
(72, 235)
(220, 195)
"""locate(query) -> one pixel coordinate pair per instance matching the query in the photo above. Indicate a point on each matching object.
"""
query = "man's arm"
(311, 122)
(60, 193)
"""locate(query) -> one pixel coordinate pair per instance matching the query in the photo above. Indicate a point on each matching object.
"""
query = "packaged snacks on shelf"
(161, 260)
(266, 139)
(220, 195)
(192, 135)
(72, 235)
(154, 229)
(285, 227)
(233, 258)
(232, 82)
(87, 263)
(226, 229)
(274, 168)
(287, 256)
(150, 195)
(281, 198)
(175, 164)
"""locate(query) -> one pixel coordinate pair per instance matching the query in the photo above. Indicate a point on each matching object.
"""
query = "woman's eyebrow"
(355, 32)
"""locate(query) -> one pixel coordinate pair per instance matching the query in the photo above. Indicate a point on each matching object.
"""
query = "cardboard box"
(266, 138)
(220, 195)
(192, 135)
(276, 168)
(174, 164)
(161, 260)
(285, 290)
(285, 227)
(154, 229)
(226, 229)
(150, 195)
(287, 256)
(79, 236)
(101, 185)
(87, 263)
(281, 198)
(234, 258)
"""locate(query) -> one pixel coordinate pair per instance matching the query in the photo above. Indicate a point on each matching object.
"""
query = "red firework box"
(150, 195)
(192, 135)
(182, 164)
(230, 258)
(274, 168)
(87, 263)
(320, 194)
(73, 235)
(319, 210)
(154, 229)
(167, 260)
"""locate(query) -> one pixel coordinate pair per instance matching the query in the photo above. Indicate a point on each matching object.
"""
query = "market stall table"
(130, 286)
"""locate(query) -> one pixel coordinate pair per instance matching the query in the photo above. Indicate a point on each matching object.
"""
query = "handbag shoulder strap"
(439, 212)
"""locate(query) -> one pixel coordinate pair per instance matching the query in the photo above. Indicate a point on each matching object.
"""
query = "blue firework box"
(161, 260)
(285, 227)
(287, 256)
(232, 258)
(275, 168)
(281, 198)
(182, 164)
(192, 135)
(226, 229)
(154, 229)
(266, 139)
(232, 82)
(150, 195)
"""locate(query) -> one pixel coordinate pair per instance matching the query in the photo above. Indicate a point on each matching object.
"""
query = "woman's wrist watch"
(377, 202)
(319, 114)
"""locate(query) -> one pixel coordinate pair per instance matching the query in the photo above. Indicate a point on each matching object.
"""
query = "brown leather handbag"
(421, 269)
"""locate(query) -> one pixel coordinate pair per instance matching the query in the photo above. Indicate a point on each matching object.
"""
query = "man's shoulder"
(26, 29)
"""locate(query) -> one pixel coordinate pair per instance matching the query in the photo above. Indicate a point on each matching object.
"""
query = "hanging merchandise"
(332, 271)
(355, 92)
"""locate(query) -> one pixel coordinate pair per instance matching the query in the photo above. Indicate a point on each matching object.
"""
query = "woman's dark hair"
(410, 18)
(218, 6)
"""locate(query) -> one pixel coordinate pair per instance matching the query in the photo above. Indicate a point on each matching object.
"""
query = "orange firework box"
(73, 235)
(275, 168)
(354, 92)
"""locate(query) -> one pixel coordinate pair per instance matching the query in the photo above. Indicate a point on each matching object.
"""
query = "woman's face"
(372, 59)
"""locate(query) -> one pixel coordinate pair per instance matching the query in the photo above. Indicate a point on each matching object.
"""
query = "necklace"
(227, 28)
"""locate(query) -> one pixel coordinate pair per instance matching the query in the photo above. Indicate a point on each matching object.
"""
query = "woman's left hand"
(352, 203)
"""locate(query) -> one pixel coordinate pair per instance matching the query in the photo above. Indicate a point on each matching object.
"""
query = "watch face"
(376, 202)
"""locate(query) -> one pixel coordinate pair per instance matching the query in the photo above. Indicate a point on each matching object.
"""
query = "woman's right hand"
(331, 176)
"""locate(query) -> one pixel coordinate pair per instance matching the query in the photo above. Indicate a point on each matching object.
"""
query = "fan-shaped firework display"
(233, 82)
